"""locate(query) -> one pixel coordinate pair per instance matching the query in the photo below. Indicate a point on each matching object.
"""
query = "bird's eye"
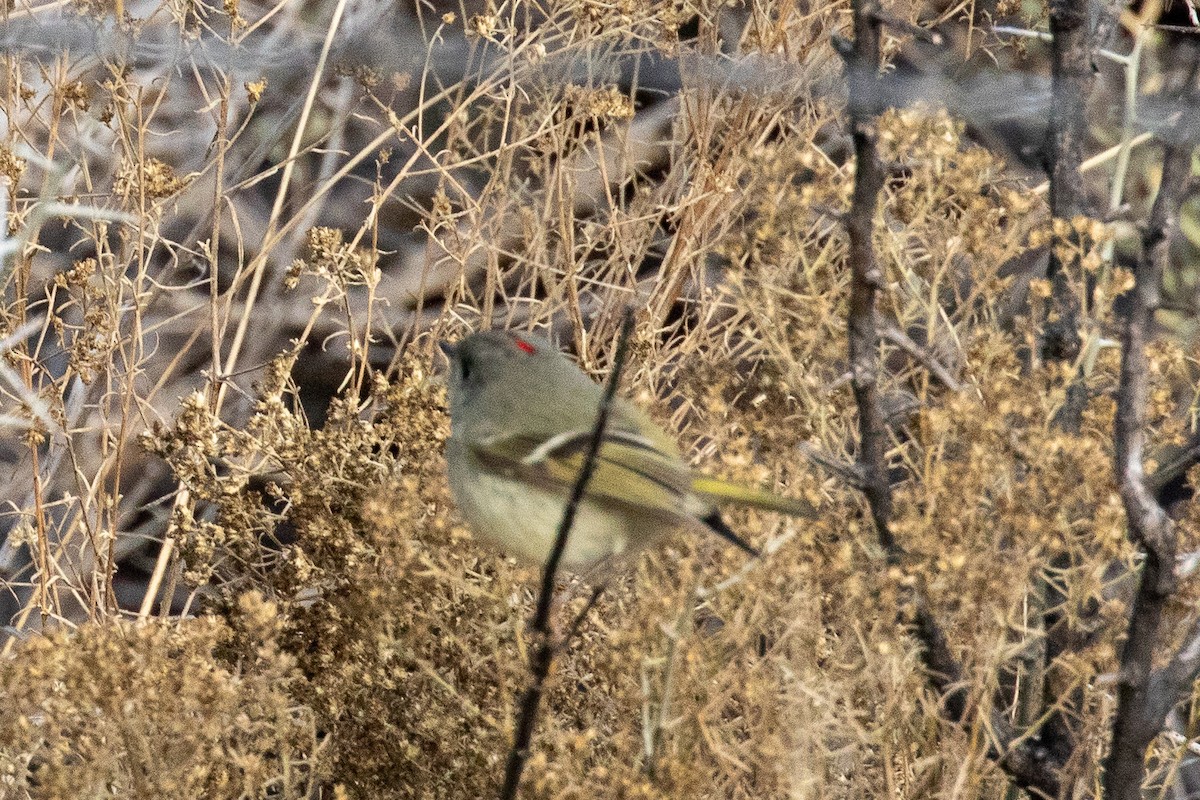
(464, 368)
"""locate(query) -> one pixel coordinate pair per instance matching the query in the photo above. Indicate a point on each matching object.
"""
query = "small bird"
(521, 420)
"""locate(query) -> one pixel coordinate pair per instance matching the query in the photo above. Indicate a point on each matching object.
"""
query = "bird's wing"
(629, 469)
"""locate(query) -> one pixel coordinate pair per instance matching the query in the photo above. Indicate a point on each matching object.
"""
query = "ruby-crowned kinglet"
(521, 420)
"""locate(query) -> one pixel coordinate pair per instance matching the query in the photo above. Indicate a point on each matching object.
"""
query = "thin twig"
(1045, 36)
(577, 622)
(258, 267)
(166, 551)
(1100, 159)
(916, 31)
(544, 649)
(893, 334)
(833, 465)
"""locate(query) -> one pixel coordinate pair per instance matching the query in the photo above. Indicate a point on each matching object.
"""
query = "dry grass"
(234, 235)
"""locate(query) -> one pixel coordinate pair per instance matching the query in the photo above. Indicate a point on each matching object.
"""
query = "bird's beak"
(449, 348)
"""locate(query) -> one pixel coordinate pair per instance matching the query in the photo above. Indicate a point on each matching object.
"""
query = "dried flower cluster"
(226, 393)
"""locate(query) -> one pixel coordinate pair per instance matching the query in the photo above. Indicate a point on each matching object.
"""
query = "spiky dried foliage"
(204, 708)
(353, 640)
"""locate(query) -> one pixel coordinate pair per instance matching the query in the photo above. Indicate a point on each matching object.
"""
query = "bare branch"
(1070, 83)
(542, 655)
(866, 276)
(1071, 76)
(893, 334)
(1144, 697)
(916, 31)
(1167, 685)
(1030, 767)
(833, 465)
(1172, 466)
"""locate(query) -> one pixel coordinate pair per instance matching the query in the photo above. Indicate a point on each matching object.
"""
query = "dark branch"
(1031, 766)
(1173, 467)
(865, 274)
(542, 655)
(1169, 684)
(1143, 696)
(1028, 766)
(1070, 81)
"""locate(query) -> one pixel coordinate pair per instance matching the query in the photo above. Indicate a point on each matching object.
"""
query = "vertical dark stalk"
(1025, 763)
(866, 278)
(544, 648)
(1143, 696)
(1070, 82)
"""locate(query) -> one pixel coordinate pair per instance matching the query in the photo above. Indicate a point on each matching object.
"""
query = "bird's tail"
(719, 491)
(717, 525)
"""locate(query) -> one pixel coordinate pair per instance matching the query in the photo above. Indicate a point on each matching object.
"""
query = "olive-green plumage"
(521, 416)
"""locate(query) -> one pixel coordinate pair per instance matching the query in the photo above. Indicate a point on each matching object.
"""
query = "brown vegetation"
(234, 236)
